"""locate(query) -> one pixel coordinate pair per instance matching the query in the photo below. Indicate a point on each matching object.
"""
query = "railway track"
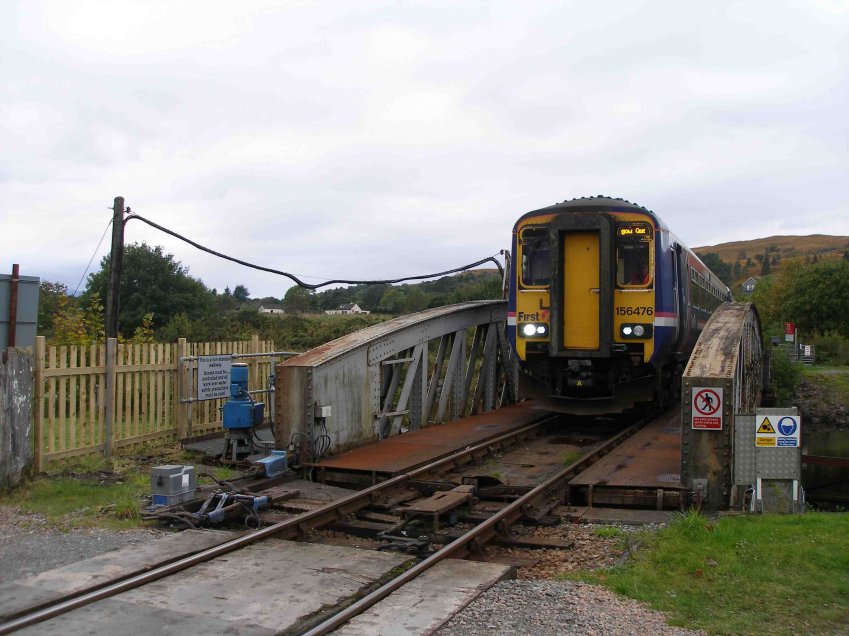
(531, 504)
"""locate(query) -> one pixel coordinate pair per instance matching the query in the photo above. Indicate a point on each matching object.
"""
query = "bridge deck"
(400, 453)
(649, 459)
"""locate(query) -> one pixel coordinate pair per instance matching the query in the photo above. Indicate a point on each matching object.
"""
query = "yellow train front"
(605, 305)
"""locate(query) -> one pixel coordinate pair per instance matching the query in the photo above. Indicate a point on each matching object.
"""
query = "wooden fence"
(99, 398)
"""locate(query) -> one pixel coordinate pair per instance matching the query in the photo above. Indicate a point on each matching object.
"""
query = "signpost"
(789, 332)
(707, 408)
(214, 377)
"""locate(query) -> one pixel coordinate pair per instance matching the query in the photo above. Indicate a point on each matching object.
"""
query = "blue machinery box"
(273, 465)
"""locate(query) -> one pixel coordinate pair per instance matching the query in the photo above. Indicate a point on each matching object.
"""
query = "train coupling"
(579, 374)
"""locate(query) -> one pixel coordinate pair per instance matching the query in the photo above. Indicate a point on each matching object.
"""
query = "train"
(605, 305)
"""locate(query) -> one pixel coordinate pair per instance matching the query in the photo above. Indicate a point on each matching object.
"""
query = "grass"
(835, 379)
(571, 458)
(771, 574)
(93, 492)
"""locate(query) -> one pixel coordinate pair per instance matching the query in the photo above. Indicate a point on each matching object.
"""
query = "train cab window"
(536, 264)
(633, 255)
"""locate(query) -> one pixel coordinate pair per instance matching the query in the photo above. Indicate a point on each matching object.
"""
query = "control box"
(172, 484)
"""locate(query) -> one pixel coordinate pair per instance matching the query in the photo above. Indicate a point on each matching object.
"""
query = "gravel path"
(535, 604)
(29, 544)
(557, 608)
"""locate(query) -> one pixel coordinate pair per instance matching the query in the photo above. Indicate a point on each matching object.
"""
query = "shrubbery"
(831, 348)
(784, 377)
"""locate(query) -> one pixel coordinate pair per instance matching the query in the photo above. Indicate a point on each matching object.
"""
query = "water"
(823, 480)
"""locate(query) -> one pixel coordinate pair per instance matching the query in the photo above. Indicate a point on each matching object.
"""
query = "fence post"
(38, 403)
(180, 410)
(109, 401)
(255, 348)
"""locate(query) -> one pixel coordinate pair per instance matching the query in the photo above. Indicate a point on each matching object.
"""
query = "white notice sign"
(214, 376)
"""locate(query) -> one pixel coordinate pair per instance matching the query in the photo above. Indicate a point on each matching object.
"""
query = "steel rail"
(290, 528)
(478, 535)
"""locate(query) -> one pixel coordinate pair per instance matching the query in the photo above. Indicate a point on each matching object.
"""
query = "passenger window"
(536, 263)
(633, 256)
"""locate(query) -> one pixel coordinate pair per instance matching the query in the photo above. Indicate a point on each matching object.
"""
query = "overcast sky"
(380, 139)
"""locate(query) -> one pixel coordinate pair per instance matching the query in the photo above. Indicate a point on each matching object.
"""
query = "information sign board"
(778, 431)
(707, 408)
(214, 377)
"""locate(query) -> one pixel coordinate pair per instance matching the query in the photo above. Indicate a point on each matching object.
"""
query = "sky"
(368, 140)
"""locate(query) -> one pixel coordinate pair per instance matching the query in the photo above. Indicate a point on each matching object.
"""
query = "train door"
(677, 291)
(581, 288)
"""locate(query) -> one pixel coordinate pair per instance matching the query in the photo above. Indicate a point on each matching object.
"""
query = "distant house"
(272, 309)
(749, 285)
(347, 309)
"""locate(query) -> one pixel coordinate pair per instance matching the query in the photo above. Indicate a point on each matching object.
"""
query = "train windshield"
(633, 255)
(536, 265)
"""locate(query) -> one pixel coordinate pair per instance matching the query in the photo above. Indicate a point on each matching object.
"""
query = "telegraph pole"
(115, 265)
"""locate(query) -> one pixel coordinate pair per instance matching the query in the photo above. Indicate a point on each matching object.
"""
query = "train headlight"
(533, 329)
(636, 331)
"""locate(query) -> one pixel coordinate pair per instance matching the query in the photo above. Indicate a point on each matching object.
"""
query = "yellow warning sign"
(764, 441)
(579, 383)
(766, 427)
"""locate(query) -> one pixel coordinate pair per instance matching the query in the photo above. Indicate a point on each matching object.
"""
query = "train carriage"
(605, 305)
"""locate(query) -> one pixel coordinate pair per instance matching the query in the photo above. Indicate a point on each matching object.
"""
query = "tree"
(50, 295)
(717, 266)
(817, 298)
(152, 282)
(392, 301)
(415, 300)
(241, 293)
(297, 299)
(74, 325)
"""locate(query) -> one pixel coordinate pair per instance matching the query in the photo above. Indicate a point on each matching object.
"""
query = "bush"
(784, 377)
(831, 348)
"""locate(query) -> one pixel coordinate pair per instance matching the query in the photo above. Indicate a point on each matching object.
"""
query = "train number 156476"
(634, 311)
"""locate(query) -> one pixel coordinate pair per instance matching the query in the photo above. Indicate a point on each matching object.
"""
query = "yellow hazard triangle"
(766, 426)
(579, 383)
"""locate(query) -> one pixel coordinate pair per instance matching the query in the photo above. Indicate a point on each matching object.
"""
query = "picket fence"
(92, 400)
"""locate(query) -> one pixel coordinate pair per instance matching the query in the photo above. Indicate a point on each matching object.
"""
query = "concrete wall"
(16, 424)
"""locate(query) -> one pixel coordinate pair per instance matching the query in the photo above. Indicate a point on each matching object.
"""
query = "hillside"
(745, 258)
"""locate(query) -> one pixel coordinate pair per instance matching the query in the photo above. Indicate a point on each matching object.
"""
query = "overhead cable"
(99, 243)
(297, 280)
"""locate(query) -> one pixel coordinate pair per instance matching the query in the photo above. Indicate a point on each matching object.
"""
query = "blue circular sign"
(787, 426)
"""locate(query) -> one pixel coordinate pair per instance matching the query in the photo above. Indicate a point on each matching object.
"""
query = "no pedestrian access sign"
(707, 408)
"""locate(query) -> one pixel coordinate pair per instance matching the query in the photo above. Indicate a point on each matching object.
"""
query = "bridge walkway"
(400, 453)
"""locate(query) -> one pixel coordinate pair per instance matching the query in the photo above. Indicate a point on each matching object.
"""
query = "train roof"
(598, 203)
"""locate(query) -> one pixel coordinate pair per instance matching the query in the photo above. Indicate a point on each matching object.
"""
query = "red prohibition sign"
(706, 402)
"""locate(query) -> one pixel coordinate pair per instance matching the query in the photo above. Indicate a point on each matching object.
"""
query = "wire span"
(297, 280)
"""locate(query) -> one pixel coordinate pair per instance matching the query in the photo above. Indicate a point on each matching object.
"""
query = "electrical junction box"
(322, 411)
(275, 464)
(172, 484)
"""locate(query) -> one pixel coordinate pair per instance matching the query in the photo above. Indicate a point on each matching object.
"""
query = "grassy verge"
(93, 492)
(772, 574)
(834, 379)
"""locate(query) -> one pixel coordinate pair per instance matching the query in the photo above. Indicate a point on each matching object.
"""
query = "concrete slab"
(76, 576)
(262, 589)
(431, 600)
